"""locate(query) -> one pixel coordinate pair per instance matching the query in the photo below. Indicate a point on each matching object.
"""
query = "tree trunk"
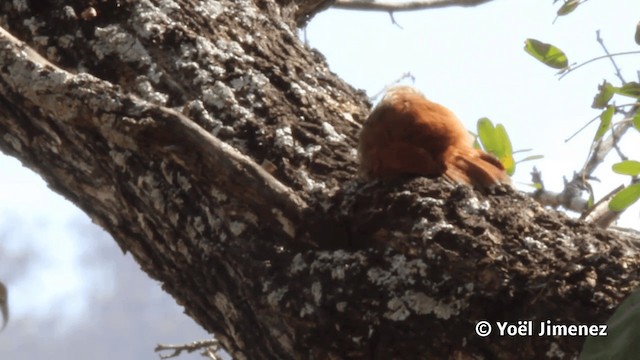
(220, 151)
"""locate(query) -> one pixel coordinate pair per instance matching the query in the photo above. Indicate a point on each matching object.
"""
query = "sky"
(468, 59)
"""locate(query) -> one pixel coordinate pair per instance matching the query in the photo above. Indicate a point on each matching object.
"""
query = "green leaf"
(503, 138)
(627, 167)
(537, 186)
(486, 134)
(546, 53)
(636, 120)
(625, 198)
(505, 150)
(621, 342)
(630, 89)
(591, 200)
(605, 122)
(568, 7)
(605, 93)
(496, 141)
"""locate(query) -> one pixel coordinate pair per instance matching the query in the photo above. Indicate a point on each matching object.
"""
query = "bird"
(407, 134)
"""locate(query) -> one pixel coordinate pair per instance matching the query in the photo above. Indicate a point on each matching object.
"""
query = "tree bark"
(220, 151)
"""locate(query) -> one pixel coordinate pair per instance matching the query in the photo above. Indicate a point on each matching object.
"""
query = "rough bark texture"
(220, 151)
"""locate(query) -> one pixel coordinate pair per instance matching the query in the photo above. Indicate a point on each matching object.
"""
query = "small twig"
(625, 105)
(582, 128)
(599, 214)
(571, 69)
(393, 20)
(384, 89)
(602, 148)
(210, 354)
(606, 51)
(520, 151)
(616, 146)
(618, 107)
(210, 346)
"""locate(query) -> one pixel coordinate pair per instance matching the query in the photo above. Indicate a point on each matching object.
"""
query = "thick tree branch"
(307, 9)
(393, 6)
(133, 131)
(85, 101)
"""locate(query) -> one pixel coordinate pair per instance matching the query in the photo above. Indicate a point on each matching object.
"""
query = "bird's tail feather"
(475, 167)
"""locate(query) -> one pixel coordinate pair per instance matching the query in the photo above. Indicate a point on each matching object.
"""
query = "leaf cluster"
(555, 58)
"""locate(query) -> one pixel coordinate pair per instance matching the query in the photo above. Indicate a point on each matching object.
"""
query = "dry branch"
(393, 6)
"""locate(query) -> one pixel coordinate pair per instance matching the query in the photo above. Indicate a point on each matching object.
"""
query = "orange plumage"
(408, 134)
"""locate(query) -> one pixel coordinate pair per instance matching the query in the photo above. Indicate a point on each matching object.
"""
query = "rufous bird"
(406, 134)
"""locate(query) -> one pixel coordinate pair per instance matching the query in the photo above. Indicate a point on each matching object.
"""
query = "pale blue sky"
(468, 59)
